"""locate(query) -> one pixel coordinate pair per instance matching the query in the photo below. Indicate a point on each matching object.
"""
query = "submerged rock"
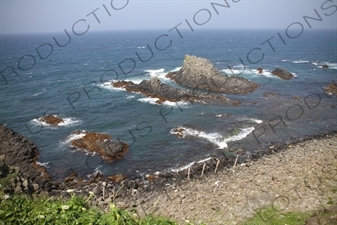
(325, 66)
(283, 74)
(52, 120)
(260, 70)
(199, 73)
(156, 89)
(101, 144)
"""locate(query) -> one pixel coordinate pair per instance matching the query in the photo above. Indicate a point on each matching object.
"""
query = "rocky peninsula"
(200, 73)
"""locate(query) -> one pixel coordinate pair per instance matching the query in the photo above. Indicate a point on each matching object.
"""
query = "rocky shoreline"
(213, 191)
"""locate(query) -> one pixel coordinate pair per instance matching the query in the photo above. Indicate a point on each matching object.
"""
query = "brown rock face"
(52, 120)
(101, 144)
(199, 73)
(283, 74)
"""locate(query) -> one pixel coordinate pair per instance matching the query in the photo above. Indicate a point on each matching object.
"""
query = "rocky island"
(200, 73)
(51, 120)
(156, 89)
(283, 74)
(101, 144)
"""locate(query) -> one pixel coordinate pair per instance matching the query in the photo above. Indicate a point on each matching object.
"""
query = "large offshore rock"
(200, 73)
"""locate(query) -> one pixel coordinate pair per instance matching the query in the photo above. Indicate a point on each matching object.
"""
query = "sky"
(51, 16)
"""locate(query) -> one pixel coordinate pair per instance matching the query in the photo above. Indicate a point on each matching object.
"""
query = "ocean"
(72, 78)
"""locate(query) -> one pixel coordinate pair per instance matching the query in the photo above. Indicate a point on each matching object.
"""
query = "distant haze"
(56, 15)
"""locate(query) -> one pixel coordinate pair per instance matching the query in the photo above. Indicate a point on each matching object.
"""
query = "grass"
(22, 209)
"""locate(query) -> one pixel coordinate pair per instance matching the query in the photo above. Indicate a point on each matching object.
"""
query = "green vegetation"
(271, 216)
(21, 209)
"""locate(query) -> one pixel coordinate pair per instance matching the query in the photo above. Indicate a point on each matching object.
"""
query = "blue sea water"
(74, 82)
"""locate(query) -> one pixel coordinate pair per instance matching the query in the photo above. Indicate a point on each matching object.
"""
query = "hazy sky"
(42, 16)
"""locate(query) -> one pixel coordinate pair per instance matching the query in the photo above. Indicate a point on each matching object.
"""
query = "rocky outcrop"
(100, 143)
(283, 74)
(52, 120)
(331, 89)
(199, 73)
(18, 156)
(259, 70)
(156, 89)
(325, 66)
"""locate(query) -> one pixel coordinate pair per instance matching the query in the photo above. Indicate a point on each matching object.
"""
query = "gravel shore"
(301, 177)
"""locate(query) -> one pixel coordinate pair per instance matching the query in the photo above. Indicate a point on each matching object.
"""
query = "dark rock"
(283, 74)
(4, 170)
(21, 153)
(51, 120)
(118, 178)
(199, 73)
(260, 70)
(102, 144)
(156, 89)
(331, 89)
(325, 66)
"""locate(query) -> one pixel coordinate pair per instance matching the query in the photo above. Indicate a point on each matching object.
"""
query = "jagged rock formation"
(51, 120)
(156, 89)
(283, 74)
(199, 73)
(18, 156)
(259, 70)
(102, 144)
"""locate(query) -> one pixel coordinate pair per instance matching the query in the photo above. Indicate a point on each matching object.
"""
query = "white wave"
(72, 137)
(257, 121)
(204, 160)
(160, 73)
(37, 94)
(108, 85)
(251, 72)
(330, 65)
(215, 138)
(155, 73)
(131, 96)
(141, 47)
(185, 167)
(300, 61)
(150, 100)
(45, 164)
(176, 104)
(175, 170)
(153, 101)
(67, 122)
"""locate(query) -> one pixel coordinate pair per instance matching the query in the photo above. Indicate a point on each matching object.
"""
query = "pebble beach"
(301, 177)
